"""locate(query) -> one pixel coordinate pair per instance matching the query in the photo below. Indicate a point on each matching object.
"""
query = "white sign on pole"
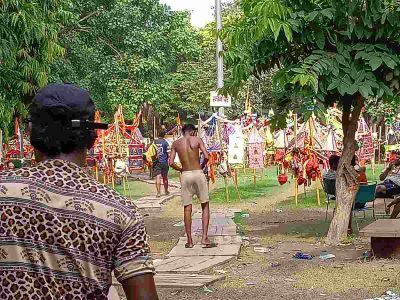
(220, 100)
(236, 148)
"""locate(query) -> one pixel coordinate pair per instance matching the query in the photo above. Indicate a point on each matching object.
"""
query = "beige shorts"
(194, 183)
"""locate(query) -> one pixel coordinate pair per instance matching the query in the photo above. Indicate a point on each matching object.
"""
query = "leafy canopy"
(330, 50)
(28, 45)
(123, 52)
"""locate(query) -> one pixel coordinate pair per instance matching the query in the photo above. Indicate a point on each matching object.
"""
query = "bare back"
(188, 149)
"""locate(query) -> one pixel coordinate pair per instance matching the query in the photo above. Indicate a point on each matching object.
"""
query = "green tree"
(28, 45)
(326, 51)
(193, 80)
(123, 52)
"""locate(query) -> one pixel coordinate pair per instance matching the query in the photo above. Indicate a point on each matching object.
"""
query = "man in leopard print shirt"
(61, 232)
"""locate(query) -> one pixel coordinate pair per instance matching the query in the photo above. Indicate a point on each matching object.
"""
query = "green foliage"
(325, 50)
(123, 52)
(28, 45)
(193, 80)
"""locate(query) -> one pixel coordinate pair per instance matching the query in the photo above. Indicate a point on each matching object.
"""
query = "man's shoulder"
(177, 142)
(196, 139)
(79, 183)
(126, 205)
(20, 172)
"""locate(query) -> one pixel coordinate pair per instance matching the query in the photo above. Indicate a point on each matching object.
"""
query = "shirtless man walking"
(194, 181)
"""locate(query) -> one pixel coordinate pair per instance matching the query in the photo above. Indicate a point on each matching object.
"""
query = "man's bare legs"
(165, 182)
(205, 207)
(396, 209)
(187, 217)
(158, 185)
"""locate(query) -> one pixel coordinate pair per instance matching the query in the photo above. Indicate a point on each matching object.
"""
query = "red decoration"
(282, 179)
(301, 180)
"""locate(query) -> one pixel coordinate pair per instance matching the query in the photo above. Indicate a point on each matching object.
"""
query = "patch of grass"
(315, 229)
(318, 229)
(307, 200)
(378, 170)
(233, 282)
(375, 279)
(173, 209)
(161, 248)
(266, 186)
(273, 240)
(135, 189)
(248, 255)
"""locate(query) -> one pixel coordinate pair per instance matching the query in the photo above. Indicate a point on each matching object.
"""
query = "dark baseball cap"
(75, 100)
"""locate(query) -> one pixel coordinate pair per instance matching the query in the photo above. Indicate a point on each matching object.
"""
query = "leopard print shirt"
(62, 234)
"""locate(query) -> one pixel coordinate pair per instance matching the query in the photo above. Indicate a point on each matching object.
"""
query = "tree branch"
(110, 46)
(92, 14)
(345, 122)
(355, 115)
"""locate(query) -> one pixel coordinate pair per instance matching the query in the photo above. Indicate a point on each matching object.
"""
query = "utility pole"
(220, 60)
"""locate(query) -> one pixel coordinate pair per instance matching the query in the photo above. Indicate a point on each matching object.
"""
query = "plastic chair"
(330, 193)
(365, 194)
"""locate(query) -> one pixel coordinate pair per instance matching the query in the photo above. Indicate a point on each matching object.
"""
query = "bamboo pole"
(295, 129)
(199, 127)
(104, 157)
(318, 196)
(124, 182)
(296, 185)
(1, 146)
(236, 185)
(236, 177)
(96, 170)
(311, 124)
(154, 127)
(226, 189)
(218, 129)
(21, 140)
(379, 144)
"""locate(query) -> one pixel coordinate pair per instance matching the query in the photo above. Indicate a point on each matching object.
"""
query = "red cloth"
(363, 178)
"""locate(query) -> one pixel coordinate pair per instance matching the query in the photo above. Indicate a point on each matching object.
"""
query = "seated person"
(391, 187)
(361, 170)
(391, 180)
(333, 166)
(363, 175)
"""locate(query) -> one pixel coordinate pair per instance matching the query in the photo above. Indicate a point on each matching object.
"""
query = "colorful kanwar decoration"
(117, 150)
(366, 144)
(256, 157)
(255, 148)
(236, 149)
(18, 148)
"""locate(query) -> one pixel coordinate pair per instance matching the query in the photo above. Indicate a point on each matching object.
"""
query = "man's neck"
(78, 158)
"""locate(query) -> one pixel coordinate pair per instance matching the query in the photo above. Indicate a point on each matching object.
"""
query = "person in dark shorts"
(391, 187)
(391, 181)
(160, 164)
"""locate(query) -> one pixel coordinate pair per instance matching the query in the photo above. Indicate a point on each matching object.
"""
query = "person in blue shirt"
(160, 164)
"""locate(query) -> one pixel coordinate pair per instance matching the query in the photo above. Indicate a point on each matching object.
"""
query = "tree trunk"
(347, 183)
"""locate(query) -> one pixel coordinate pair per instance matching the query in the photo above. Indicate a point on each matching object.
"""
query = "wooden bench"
(385, 237)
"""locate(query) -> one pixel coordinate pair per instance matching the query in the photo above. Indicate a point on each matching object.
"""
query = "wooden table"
(385, 237)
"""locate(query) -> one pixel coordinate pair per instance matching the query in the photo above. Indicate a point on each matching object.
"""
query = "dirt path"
(276, 274)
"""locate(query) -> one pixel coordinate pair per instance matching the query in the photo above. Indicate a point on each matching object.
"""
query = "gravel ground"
(276, 274)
